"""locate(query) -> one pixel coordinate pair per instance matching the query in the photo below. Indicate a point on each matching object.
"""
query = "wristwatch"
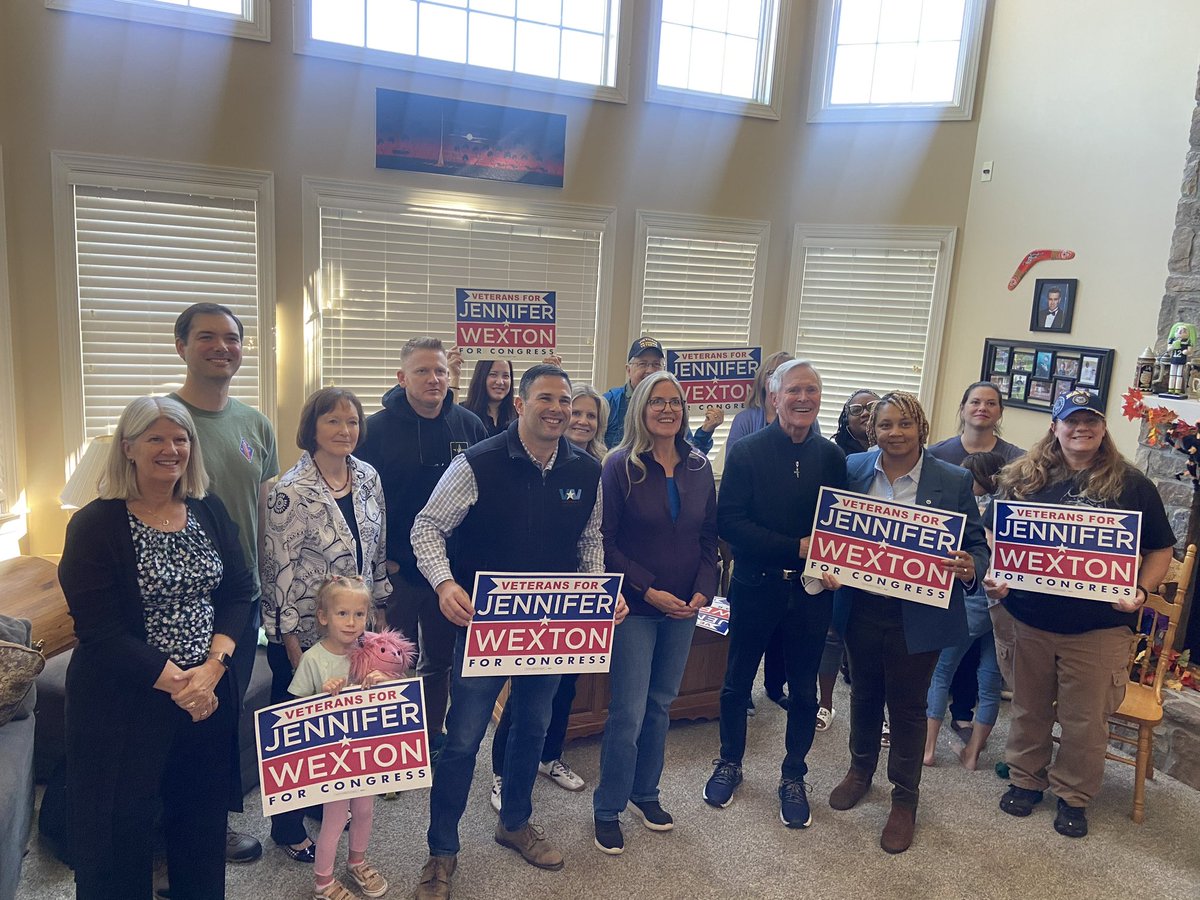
(222, 658)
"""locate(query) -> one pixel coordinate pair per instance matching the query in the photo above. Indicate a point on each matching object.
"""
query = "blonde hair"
(596, 446)
(758, 393)
(1045, 464)
(119, 481)
(637, 438)
(336, 584)
(909, 407)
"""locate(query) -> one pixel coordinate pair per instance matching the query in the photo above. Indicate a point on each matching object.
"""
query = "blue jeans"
(988, 708)
(648, 659)
(474, 701)
(758, 603)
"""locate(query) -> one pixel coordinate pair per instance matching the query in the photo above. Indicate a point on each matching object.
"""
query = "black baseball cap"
(644, 343)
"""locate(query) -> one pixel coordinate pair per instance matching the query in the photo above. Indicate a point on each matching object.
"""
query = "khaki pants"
(1002, 633)
(1086, 673)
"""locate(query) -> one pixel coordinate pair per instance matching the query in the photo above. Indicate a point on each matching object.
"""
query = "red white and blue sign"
(504, 324)
(723, 377)
(1073, 551)
(356, 743)
(886, 548)
(541, 624)
(715, 616)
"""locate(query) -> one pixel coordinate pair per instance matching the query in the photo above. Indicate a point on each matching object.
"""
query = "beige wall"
(1085, 112)
(87, 84)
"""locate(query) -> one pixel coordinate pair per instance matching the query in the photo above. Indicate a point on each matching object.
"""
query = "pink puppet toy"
(387, 652)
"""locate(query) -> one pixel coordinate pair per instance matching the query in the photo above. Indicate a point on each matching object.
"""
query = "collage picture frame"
(1033, 374)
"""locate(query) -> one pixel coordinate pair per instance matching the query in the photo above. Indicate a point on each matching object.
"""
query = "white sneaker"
(824, 717)
(560, 773)
(497, 782)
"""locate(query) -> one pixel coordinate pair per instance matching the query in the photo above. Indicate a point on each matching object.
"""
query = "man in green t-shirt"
(238, 445)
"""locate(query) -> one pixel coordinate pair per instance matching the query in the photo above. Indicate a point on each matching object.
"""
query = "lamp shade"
(84, 484)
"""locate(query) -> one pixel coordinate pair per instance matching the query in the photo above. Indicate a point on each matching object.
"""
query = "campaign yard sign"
(885, 548)
(723, 377)
(505, 324)
(715, 616)
(356, 743)
(546, 623)
(1074, 551)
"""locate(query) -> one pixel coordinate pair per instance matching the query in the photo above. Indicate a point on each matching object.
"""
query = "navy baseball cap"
(644, 343)
(1073, 401)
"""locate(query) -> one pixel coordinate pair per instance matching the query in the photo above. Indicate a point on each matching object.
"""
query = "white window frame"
(304, 43)
(959, 109)
(321, 192)
(11, 507)
(771, 71)
(70, 169)
(254, 23)
(941, 239)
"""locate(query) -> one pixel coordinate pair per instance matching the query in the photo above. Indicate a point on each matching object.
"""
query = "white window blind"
(240, 18)
(700, 281)
(868, 314)
(142, 257)
(390, 276)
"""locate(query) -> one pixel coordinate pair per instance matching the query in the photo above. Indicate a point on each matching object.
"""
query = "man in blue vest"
(646, 356)
(522, 501)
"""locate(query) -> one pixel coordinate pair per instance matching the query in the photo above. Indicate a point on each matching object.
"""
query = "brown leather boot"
(852, 789)
(898, 832)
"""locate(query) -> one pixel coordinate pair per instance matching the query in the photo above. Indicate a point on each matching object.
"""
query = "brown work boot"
(898, 832)
(852, 789)
(531, 842)
(435, 878)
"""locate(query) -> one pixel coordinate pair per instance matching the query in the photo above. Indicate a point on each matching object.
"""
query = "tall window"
(896, 59)
(547, 44)
(240, 18)
(718, 54)
(700, 284)
(390, 265)
(138, 243)
(866, 305)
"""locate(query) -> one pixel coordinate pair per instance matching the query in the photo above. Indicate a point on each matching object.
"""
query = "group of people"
(385, 521)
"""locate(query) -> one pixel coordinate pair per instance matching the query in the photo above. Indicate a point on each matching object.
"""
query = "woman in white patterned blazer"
(325, 517)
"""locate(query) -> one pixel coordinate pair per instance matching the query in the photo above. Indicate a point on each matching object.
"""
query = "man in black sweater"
(410, 442)
(765, 510)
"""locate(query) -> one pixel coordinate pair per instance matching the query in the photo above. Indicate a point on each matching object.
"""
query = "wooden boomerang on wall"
(1033, 258)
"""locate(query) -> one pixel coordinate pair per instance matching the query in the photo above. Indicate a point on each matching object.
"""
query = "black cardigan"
(98, 574)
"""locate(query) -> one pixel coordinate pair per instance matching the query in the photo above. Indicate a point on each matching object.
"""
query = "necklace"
(158, 518)
(336, 490)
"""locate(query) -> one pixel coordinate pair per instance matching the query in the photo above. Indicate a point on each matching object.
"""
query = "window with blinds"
(866, 307)
(701, 286)
(141, 258)
(388, 275)
(239, 18)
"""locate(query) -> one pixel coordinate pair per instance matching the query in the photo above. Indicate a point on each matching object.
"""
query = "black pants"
(760, 603)
(964, 688)
(286, 827)
(774, 671)
(883, 671)
(413, 609)
(556, 733)
(163, 756)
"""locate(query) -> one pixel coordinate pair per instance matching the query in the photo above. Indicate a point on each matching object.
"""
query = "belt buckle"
(792, 574)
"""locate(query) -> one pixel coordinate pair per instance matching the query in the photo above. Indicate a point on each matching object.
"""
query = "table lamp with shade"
(84, 484)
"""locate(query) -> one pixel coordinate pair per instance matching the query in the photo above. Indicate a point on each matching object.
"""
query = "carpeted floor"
(964, 848)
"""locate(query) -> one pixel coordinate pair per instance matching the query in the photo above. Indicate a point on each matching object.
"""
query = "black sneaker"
(1071, 821)
(1019, 801)
(793, 803)
(653, 816)
(722, 783)
(241, 848)
(609, 838)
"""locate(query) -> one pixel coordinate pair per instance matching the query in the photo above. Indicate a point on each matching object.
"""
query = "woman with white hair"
(158, 588)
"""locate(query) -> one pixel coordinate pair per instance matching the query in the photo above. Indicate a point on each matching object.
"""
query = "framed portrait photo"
(1040, 391)
(1022, 361)
(1000, 361)
(1066, 367)
(1001, 382)
(1088, 370)
(1053, 304)
(1019, 382)
(1044, 365)
(1061, 386)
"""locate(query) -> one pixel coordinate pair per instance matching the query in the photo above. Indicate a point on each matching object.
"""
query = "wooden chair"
(1142, 708)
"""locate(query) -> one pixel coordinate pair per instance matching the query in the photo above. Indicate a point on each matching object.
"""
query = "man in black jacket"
(410, 442)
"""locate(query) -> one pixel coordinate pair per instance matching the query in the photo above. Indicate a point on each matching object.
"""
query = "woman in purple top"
(660, 529)
(979, 414)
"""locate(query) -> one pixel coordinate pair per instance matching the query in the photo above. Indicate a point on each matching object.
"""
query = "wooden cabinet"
(699, 692)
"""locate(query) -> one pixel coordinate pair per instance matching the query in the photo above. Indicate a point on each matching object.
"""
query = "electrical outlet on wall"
(985, 172)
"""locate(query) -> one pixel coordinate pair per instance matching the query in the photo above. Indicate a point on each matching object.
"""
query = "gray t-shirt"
(317, 666)
(238, 446)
